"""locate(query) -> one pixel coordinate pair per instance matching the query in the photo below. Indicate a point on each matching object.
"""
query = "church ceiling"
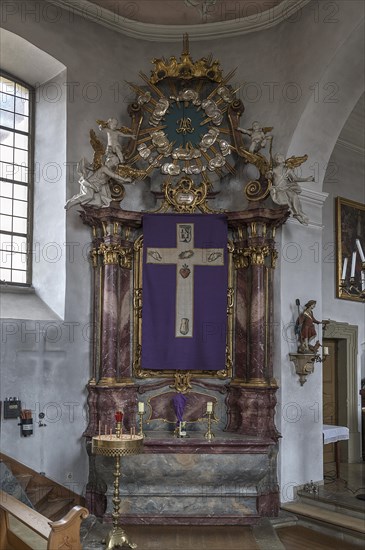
(186, 12)
(167, 20)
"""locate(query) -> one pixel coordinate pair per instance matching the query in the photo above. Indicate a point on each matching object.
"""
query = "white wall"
(277, 70)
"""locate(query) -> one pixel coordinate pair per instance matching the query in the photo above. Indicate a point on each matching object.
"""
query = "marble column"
(257, 318)
(109, 332)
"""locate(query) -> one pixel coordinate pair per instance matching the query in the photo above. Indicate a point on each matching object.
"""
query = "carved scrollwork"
(182, 381)
(185, 197)
(230, 300)
(240, 258)
(115, 254)
(137, 302)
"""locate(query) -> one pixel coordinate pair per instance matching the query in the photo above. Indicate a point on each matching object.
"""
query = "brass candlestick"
(141, 414)
(117, 445)
(209, 435)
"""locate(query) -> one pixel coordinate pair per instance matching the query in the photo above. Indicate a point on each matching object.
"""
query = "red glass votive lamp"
(119, 416)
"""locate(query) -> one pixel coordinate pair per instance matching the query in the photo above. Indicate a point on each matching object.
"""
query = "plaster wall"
(277, 70)
(346, 181)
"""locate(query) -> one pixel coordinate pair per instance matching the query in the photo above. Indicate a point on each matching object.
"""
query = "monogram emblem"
(185, 126)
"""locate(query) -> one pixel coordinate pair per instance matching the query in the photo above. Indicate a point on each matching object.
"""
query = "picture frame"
(350, 248)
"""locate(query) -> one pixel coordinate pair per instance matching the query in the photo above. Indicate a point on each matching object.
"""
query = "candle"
(326, 351)
(119, 416)
(361, 252)
(344, 269)
(353, 264)
(140, 407)
(99, 428)
(209, 407)
(363, 280)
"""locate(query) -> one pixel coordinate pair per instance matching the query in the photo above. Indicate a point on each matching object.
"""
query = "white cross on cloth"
(185, 257)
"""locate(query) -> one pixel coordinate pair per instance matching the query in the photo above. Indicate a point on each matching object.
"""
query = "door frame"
(349, 333)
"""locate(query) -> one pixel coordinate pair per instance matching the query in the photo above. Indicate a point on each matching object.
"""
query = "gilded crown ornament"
(186, 68)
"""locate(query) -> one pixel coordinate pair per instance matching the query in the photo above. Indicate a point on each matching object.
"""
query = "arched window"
(16, 171)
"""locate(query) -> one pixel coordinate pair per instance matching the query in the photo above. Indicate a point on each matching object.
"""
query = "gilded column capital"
(257, 254)
(94, 254)
(274, 257)
(116, 254)
(240, 259)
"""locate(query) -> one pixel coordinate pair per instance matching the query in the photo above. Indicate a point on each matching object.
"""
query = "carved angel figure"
(94, 188)
(110, 127)
(285, 189)
(258, 135)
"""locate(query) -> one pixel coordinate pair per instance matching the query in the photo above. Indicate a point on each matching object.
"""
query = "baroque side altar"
(185, 146)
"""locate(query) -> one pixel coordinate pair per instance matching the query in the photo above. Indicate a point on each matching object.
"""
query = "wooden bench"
(22, 528)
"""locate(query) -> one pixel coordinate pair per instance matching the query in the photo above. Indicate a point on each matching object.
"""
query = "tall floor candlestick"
(117, 445)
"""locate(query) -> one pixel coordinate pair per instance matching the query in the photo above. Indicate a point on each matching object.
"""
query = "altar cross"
(185, 256)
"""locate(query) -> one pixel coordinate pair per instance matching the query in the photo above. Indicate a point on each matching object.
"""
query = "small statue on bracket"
(305, 330)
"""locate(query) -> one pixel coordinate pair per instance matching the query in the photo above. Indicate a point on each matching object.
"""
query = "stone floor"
(261, 537)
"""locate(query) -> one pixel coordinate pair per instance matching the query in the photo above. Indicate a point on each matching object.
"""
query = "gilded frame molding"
(138, 371)
(350, 230)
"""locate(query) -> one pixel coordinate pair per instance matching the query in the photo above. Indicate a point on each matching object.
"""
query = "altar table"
(334, 434)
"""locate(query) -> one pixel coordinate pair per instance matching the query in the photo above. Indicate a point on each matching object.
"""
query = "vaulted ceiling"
(187, 12)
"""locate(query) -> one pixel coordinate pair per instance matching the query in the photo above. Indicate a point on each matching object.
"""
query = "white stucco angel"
(258, 135)
(110, 127)
(94, 188)
(285, 188)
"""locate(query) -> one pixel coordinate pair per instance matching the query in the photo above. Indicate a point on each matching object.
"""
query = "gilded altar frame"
(350, 239)
(138, 370)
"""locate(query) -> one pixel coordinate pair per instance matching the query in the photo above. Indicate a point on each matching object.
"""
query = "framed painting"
(350, 234)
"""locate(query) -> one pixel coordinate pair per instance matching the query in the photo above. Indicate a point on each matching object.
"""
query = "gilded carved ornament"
(257, 254)
(182, 382)
(116, 254)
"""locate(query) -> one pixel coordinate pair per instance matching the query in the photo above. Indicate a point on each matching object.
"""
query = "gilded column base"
(255, 383)
(107, 382)
(258, 382)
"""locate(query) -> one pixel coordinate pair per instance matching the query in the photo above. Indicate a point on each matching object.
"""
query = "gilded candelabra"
(117, 445)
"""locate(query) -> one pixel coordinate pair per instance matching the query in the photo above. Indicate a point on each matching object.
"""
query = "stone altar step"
(320, 518)
(347, 505)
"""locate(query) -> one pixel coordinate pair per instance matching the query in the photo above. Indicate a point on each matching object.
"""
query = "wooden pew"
(22, 528)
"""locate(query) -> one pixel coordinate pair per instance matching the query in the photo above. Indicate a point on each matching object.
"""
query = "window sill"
(22, 302)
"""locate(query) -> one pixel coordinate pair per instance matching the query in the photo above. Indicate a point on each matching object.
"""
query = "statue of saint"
(305, 328)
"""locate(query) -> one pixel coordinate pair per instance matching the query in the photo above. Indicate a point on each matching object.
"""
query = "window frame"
(30, 184)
